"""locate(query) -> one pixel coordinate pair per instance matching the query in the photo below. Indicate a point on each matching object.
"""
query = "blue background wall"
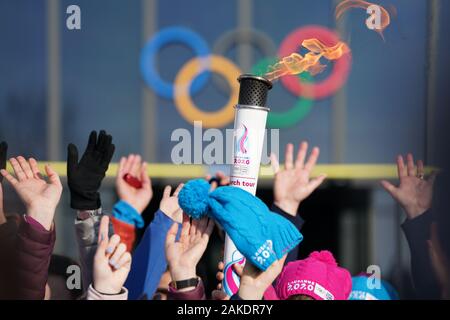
(102, 84)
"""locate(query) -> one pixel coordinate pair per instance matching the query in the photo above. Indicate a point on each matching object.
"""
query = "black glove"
(85, 177)
(3, 149)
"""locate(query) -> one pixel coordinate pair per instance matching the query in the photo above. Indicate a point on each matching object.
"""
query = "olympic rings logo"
(195, 74)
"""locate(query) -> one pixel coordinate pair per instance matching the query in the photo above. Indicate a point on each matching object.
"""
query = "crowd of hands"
(292, 184)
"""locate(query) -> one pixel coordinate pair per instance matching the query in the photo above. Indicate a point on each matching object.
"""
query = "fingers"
(389, 187)
(238, 269)
(166, 192)
(210, 228)
(312, 159)
(124, 261)
(144, 177)
(9, 177)
(185, 226)
(25, 167)
(136, 166)
(91, 142)
(410, 165)
(53, 176)
(401, 167)
(72, 158)
(120, 249)
(172, 234)
(219, 295)
(274, 163)
(17, 169)
(120, 170)
(420, 169)
(178, 189)
(316, 182)
(301, 155)
(193, 228)
(289, 156)
(35, 168)
(103, 231)
(220, 265)
(113, 243)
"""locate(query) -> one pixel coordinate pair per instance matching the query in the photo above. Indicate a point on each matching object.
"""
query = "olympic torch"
(249, 128)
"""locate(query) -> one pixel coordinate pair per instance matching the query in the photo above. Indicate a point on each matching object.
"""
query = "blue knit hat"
(361, 290)
(259, 234)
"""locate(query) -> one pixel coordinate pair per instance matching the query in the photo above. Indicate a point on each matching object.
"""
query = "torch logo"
(241, 145)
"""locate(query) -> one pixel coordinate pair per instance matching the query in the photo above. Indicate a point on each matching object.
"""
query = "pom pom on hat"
(194, 198)
(324, 256)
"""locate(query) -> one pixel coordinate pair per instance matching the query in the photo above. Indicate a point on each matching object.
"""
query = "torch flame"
(345, 5)
(296, 63)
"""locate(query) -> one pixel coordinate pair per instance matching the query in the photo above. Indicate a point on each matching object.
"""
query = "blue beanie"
(259, 234)
(361, 291)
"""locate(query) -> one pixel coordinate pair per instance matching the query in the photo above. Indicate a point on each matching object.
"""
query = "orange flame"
(385, 18)
(296, 64)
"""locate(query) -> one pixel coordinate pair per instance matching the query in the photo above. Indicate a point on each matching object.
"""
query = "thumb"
(316, 182)
(389, 187)
(72, 158)
(53, 176)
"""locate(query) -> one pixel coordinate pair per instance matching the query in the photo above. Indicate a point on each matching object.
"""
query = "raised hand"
(255, 282)
(85, 177)
(169, 204)
(3, 151)
(414, 193)
(293, 184)
(184, 255)
(137, 198)
(112, 262)
(40, 198)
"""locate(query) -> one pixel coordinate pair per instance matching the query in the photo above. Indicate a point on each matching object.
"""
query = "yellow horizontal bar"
(333, 171)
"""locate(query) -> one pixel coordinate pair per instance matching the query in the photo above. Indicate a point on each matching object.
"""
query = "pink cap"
(317, 276)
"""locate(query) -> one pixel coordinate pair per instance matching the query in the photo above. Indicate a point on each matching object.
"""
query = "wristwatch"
(192, 282)
(86, 214)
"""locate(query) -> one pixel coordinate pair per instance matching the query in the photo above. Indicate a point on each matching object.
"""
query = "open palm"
(414, 193)
(40, 198)
(184, 255)
(293, 184)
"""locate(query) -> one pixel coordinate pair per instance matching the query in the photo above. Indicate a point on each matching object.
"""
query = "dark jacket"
(8, 233)
(34, 249)
(417, 232)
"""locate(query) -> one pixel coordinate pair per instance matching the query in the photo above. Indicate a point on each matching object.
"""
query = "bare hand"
(169, 204)
(255, 282)
(112, 262)
(137, 198)
(293, 184)
(184, 255)
(40, 198)
(414, 192)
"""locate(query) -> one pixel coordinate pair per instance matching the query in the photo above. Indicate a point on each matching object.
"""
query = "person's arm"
(184, 255)
(149, 261)
(293, 184)
(84, 178)
(133, 198)
(112, 263)
(414, 194)
(417, 233)
(36, 235)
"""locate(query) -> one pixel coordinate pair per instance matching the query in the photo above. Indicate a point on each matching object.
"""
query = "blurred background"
(58, 84)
